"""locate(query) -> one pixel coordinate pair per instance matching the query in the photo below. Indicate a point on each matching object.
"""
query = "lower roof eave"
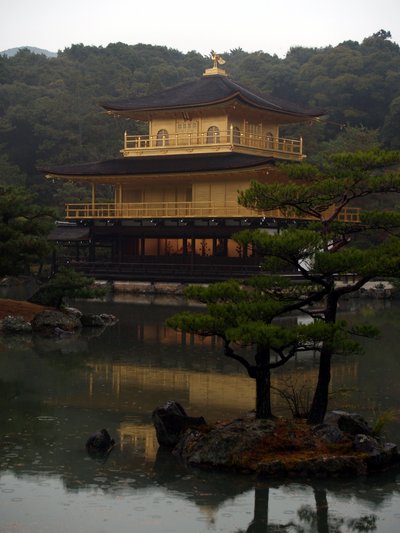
(157, 166)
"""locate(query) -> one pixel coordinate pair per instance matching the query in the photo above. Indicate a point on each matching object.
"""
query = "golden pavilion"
(175, 189)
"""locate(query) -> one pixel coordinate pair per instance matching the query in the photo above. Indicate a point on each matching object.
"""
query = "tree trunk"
(320, 400)
(263, 383)
(321, 504)
(260, 520)
(263, 395)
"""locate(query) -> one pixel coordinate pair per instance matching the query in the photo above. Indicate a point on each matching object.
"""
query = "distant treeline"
(50, 107)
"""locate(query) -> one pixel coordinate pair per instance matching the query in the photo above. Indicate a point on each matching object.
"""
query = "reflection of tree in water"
(310, 520)
(260, 523)
(318, 519)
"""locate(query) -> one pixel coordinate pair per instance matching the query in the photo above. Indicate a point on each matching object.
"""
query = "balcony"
(182, 210)
(221, 141)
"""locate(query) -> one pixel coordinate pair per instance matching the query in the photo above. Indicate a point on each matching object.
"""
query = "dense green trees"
(66, 284)
(50, 107)
(23, 231)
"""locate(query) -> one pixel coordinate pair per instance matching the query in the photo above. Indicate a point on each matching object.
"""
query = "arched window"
(236, 135)
(162, 138)
(213, 135)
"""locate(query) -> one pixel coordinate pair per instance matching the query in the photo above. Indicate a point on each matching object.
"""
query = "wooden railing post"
(93, 198)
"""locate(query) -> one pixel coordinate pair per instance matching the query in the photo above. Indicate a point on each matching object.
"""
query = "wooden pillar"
(193, 252)
(92, 250)
(93, 198)
(223, 247)
(118, 199)
(119, 248)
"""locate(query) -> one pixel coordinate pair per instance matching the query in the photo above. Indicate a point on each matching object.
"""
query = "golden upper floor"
(206, 140)
(175, 137)
(212, 114)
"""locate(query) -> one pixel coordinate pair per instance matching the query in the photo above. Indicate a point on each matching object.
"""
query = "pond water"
(54, 393)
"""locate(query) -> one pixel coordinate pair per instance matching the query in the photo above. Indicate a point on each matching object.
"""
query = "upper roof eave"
(169, 108)
(207, 91)
(132, 112)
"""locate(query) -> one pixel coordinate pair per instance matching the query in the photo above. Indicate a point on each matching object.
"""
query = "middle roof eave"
(136, 166)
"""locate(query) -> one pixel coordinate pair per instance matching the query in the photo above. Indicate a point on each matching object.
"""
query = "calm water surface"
(54, 393)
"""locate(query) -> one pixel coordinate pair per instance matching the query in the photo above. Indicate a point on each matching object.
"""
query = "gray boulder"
(90, 320)
(170, 420)
(72, 311)
(329, 434)
(108, 319)
(99, 442)
(351, 423)
(15, 324)
(367, 444)
(50, 322)
(223, 445)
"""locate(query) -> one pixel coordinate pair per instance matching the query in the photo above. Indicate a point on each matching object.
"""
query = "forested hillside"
(50, 107)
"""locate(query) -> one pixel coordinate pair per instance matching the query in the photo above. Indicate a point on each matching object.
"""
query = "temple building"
(175, 189)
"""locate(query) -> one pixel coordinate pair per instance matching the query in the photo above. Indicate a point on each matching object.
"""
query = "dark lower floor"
(158, 250)
(167, 272)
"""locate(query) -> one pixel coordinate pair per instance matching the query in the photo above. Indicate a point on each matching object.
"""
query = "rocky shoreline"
(343, 446)
(26, 318)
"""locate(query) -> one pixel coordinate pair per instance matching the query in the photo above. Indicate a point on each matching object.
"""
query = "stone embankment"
(373, 289)
(344, 445)
(147, 287)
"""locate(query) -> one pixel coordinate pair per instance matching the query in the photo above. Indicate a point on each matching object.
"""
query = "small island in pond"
(344, 445)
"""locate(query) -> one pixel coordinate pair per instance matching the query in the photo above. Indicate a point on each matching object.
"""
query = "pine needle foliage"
(248, 315)
(326, 248)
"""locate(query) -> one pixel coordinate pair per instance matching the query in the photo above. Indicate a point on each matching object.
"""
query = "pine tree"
(337, 240)
(332, 237)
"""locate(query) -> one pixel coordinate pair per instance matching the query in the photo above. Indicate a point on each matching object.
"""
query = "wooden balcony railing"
(222, 141)
(183, 210)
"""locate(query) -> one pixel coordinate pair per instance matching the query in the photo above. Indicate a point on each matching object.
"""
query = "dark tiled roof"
(205, 91)
(160, 165)
(69, 233)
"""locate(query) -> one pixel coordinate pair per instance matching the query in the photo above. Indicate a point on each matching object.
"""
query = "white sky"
(272, 26)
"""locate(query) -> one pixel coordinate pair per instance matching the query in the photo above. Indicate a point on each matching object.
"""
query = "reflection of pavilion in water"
(140, 436)
(214, 395)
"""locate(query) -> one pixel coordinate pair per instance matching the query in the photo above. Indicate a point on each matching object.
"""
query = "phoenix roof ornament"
(217, 60)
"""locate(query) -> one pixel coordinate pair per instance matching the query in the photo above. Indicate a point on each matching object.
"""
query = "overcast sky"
(269, 25)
